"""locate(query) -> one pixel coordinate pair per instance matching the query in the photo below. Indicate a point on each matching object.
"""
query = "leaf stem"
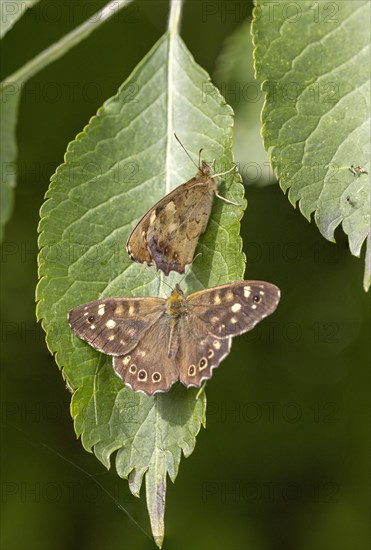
(175, 16)
(59, 48)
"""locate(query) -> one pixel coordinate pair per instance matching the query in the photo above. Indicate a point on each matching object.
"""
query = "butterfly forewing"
(136, 245)
(115, 325)
(234, 308)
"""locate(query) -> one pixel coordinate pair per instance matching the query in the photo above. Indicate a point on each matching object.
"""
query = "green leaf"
(11, 11)
(9, 100)
(120, 165)
(313, 60)
(234, 75)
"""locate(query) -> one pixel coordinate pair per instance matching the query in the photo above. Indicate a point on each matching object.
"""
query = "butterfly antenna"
(186, 152)
(187, 269)
(167, 284)
(199, 158)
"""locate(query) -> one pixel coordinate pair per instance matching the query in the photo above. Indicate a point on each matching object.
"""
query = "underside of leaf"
(313, 60)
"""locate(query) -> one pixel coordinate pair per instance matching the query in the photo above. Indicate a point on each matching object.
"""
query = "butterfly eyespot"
(203, 363)
(142, 375)
(133, 369)
(210, 353)
(192, 370)
(91, 319)
(156, 377)
(256, 298)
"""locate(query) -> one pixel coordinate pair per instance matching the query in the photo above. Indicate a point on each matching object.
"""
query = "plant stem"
(59, 48)
(174, 17)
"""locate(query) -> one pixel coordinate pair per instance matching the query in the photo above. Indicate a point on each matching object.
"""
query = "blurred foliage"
(234, 76)
(284, 461)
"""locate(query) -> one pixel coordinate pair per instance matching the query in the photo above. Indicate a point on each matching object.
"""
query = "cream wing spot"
(110, 323)
(126, 360)
(170, 208)
(101, 309)
(236, 307)
(92, 327)
(234, 320)
(217, 299)
(217, 344)
(246, 291)
(119, 309)
(253, 306)
(111, 337)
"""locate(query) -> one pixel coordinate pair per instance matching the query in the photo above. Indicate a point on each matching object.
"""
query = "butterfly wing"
(168, 233)
(233, 308)
(148, 368)
(136, 245)
(115, 325)
(199, 353)
(173, 236)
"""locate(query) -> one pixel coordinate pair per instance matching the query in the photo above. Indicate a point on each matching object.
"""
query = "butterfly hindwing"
(199, 356)
(234, 308)
(148, 367)
(115, 325)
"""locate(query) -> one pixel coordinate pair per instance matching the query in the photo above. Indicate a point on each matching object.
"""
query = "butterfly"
(155, 341)
(168, 233)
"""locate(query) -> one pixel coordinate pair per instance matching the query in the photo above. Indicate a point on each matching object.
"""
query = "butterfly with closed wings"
(168, 233)
(155, 341)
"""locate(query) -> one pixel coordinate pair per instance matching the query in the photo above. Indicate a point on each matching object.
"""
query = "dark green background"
(284, 462)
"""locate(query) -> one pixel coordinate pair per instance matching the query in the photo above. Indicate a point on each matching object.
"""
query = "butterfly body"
(156, 342)
(167, 235)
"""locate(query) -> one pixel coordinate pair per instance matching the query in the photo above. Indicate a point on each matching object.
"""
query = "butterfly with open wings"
(155, 341)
